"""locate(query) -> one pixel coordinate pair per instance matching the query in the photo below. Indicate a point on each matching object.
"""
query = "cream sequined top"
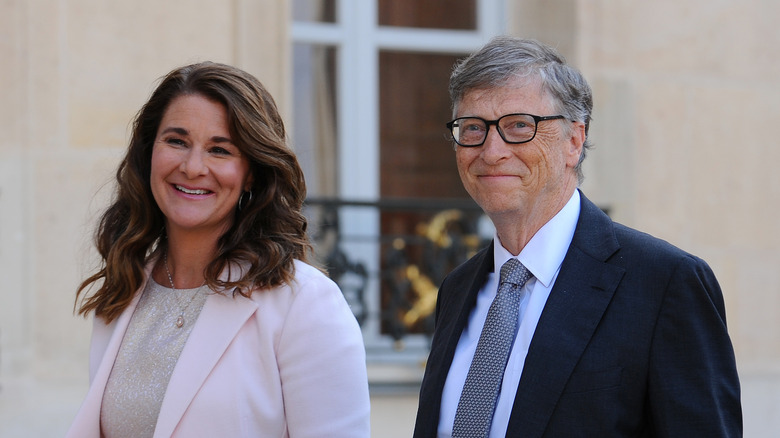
(149, 352)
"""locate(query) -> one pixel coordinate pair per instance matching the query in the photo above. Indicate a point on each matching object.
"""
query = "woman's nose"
(193, 164)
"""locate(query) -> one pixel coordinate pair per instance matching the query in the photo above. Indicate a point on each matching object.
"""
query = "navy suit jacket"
(631, 343)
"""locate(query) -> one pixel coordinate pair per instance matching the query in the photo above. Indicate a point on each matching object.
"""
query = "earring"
(241, 203)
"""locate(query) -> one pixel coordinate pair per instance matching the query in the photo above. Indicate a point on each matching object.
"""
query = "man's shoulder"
(649, 264)
(596, 229)
(482, 260)
(640, 249)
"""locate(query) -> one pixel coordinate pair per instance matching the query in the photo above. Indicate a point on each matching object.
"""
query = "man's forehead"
(510, 94)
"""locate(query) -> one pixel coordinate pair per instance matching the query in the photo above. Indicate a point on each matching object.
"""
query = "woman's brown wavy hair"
(269, 231)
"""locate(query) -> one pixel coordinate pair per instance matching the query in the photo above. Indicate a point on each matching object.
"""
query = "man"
(610, 332)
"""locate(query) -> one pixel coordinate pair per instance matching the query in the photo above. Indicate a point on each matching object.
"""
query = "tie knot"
(514, 272)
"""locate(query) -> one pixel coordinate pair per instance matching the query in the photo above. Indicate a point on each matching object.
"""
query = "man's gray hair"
(506, 58)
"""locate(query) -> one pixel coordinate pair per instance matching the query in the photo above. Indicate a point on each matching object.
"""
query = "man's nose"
(494, 148)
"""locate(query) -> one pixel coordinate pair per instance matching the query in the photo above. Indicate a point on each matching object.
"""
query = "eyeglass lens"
(514, 128)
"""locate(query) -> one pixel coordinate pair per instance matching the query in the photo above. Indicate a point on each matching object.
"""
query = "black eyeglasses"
(513, 128)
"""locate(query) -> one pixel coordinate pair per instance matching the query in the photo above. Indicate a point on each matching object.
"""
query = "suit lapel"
(465, 302)
(577, 302)
(457, 297)
(219, 322)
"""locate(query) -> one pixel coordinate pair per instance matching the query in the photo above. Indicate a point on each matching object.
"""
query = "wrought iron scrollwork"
(442, 234)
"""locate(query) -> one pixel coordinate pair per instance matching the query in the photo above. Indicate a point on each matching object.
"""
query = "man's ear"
(576, 143)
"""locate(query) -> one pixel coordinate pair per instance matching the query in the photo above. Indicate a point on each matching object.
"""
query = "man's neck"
(515, 232)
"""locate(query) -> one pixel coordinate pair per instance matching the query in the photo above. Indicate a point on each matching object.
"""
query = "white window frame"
(359, 39)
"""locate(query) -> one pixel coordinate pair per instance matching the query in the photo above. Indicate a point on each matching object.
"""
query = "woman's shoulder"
(304, 271)
(309, 279)
(309, 293)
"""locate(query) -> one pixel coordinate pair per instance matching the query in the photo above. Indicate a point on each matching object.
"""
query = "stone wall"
(687, 96)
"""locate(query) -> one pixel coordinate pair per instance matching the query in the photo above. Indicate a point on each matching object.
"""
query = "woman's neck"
(187, 258)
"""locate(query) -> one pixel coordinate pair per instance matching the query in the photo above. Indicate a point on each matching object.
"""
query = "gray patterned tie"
(480, 392)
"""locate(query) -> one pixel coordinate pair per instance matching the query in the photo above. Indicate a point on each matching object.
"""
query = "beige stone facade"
(687, 97)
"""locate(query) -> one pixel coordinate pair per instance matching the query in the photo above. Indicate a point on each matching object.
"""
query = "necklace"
(180, 319)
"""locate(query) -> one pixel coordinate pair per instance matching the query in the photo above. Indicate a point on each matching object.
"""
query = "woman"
(208, 321)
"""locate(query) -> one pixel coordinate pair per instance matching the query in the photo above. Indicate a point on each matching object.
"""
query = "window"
(370, 103)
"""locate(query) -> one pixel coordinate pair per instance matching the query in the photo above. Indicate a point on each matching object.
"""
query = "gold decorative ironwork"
(438, 231)
(442, 234)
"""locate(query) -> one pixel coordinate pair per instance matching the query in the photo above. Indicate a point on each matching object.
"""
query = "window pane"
(434, 14)
(417, 162)
(314, 120)
(314, 10)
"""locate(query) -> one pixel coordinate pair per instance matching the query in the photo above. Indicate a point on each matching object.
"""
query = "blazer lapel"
(219, 322)
(87, 421)
(577, 302)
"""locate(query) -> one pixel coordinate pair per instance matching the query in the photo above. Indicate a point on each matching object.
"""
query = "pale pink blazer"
(289, 362)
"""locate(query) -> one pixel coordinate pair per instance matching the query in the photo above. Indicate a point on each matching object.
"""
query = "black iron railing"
(416, 243)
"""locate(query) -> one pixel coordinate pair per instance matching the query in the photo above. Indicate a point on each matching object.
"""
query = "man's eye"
(516, 126)
(473, 127)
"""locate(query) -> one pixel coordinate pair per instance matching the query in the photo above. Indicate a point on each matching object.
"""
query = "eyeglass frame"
(451, 124)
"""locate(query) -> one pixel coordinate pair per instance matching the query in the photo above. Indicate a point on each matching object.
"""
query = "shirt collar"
(544, 253)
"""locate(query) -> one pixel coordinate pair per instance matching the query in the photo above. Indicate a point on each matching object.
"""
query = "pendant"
(180, 321)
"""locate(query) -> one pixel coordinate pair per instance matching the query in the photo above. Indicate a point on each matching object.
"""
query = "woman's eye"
(176, 141)
(219, 150)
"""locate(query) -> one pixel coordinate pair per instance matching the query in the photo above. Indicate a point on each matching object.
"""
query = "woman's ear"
(250, 181)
